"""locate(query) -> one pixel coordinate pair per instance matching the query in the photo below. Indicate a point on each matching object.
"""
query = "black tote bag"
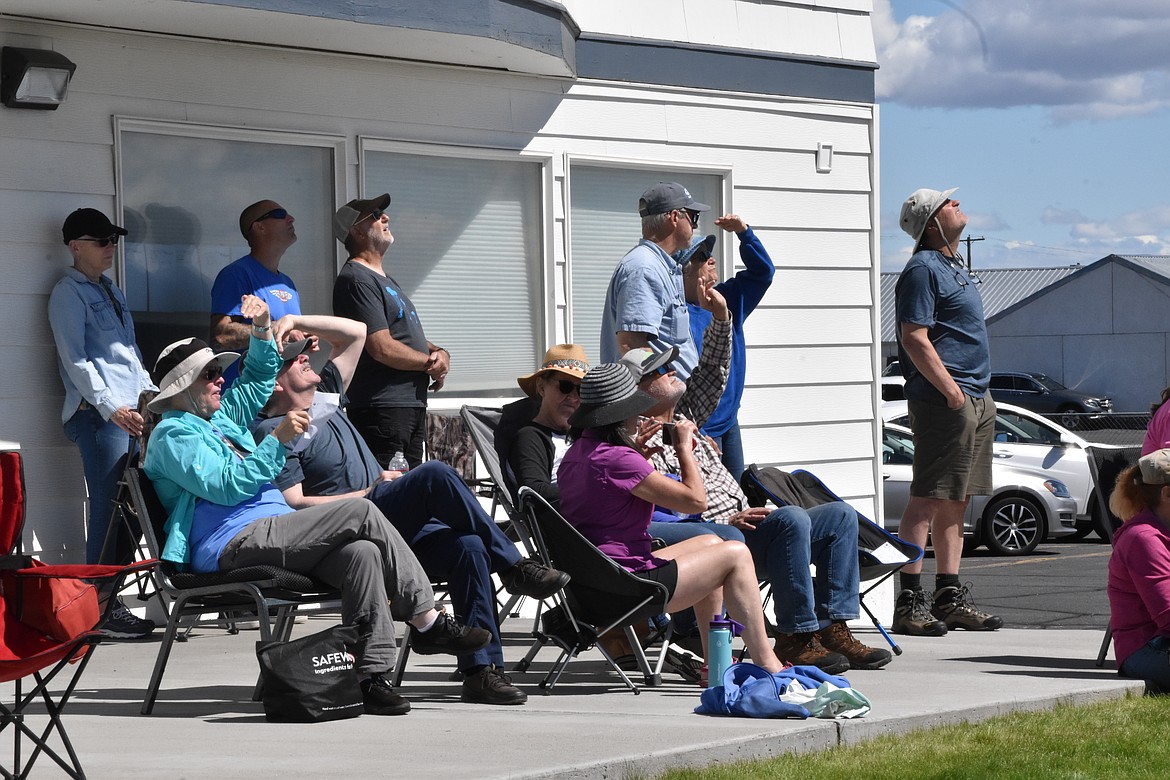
(311, 679)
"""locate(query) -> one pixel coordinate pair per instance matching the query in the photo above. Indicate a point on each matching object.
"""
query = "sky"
(1051, 116)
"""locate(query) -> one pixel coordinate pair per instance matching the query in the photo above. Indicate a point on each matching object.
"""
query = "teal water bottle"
(719, 634)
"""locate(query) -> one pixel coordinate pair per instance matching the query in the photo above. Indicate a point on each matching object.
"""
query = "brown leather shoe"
(838, 638)
(806, 650)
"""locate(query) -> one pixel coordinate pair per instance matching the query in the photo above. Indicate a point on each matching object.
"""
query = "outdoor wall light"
(824, 158)
(34, 78)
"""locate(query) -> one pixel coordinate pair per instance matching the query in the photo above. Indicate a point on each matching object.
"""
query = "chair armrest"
(80, 571)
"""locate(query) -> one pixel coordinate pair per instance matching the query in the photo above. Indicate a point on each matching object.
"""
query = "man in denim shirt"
(644, 305)
(103, 375)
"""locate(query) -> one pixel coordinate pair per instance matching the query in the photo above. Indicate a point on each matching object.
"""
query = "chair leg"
(881, 629)
(1105, 642)
(403, 655)
(164, 653)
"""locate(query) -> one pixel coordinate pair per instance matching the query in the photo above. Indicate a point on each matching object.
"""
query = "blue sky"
(1049, 115)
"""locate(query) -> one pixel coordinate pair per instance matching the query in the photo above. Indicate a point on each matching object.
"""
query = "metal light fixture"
(34, 78)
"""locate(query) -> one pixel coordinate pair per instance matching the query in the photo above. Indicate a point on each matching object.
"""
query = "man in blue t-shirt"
(268, 229)
(743, 292)
(943, 353)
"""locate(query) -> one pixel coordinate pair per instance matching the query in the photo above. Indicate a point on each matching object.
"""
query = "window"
(468, 238)
(183, 188)
(605, 225)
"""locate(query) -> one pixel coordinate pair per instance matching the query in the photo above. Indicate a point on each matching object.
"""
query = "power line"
(968, 241)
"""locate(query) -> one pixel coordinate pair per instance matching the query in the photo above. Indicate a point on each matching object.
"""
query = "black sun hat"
(608, 395)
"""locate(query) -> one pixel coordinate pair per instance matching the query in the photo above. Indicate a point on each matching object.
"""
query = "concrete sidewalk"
(205, 726)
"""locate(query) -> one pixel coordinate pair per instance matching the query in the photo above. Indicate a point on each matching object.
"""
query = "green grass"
(1122, 738)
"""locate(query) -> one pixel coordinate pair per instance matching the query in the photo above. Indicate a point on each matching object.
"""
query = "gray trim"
(708, 67)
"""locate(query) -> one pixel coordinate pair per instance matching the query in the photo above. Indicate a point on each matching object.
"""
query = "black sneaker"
(124, 624)
(953, 605)
(447, 635)
(379, 698)
(912, 615)
(491, 686)
(529, 578)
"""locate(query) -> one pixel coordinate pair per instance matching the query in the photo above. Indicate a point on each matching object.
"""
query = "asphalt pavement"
(1060, 585)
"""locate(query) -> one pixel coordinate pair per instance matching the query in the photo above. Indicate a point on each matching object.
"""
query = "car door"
(1032, 442)
(897, 459)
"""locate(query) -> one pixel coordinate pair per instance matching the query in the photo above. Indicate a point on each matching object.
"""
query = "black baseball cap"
(89, 222)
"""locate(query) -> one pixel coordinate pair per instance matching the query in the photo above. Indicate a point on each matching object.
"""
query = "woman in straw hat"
(609, 490)
(1139, 572)
(535, 450)
(215, 480)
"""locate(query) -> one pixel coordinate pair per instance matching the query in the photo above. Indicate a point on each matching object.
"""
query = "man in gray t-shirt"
(942, 348)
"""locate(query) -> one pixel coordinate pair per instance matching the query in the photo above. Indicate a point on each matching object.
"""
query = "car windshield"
(896, 449)
(1048, 382)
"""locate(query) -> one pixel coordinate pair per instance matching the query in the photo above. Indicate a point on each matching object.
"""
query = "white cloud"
(1081, 58)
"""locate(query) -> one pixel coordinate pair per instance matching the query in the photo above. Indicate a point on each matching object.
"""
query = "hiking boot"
(491, 686)
(124, 624)
(807, 650)
(379, 698)
(529, 578)
(912, 615)
(448, 635)
(954, 606)
(838, 638)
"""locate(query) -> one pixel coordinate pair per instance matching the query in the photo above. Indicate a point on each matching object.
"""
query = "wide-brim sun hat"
(919, 208)
(179, 364)
(566, 358)
(609, 395)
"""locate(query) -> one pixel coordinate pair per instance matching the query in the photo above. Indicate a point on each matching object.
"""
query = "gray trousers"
(350, 545)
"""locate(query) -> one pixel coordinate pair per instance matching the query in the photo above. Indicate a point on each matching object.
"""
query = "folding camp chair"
(48, 617)
(263, 591)
(482, 423)
(601, 597)
(880, 554)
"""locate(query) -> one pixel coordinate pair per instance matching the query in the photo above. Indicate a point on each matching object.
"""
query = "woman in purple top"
(608, 492)
(1139, 572)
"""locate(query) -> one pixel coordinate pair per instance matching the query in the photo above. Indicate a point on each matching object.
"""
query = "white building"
(514, 136)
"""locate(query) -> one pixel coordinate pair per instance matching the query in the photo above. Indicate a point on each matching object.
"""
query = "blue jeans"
(455, 541)
(731, 445)
(103, 448)
(784, 545)
(1150, 662)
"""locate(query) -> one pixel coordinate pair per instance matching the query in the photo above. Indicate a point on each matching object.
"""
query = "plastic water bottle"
(719, 634)
(398, 463)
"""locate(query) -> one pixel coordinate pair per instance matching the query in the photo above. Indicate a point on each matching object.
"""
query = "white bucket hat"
(919, 208)
(179, 364)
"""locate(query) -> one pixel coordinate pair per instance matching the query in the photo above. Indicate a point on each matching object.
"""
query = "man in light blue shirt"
(645, 305)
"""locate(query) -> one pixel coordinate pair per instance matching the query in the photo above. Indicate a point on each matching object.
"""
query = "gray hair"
(653, 223)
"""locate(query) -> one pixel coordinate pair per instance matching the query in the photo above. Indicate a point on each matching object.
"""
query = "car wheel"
(1069, 417)
(1013, 525)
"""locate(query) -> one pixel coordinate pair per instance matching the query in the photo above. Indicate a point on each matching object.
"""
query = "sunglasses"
(211, 373)
(376, 214)
(568, 387)
(102, 242)
(274, 214)
(693, 216)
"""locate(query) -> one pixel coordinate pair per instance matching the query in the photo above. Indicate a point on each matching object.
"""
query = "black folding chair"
(880, 554)
(601, 597)
(268, 592)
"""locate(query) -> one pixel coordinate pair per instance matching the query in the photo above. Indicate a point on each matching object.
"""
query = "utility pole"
(968, 240)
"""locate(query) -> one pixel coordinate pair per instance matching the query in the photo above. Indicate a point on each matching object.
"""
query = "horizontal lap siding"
(810, 354)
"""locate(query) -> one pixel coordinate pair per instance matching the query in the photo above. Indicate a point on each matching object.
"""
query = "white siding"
(810, 399)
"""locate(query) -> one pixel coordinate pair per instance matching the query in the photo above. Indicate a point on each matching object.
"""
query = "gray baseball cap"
(666, 196)
(919, 208)
(346, 216)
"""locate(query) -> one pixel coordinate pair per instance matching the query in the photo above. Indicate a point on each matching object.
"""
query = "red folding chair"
(48, 617)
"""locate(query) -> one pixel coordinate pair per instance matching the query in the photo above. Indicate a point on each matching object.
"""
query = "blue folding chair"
(880, 554)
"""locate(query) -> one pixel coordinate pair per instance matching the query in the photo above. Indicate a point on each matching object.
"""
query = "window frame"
(335, 143)
(724, 261)
(545, 327)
